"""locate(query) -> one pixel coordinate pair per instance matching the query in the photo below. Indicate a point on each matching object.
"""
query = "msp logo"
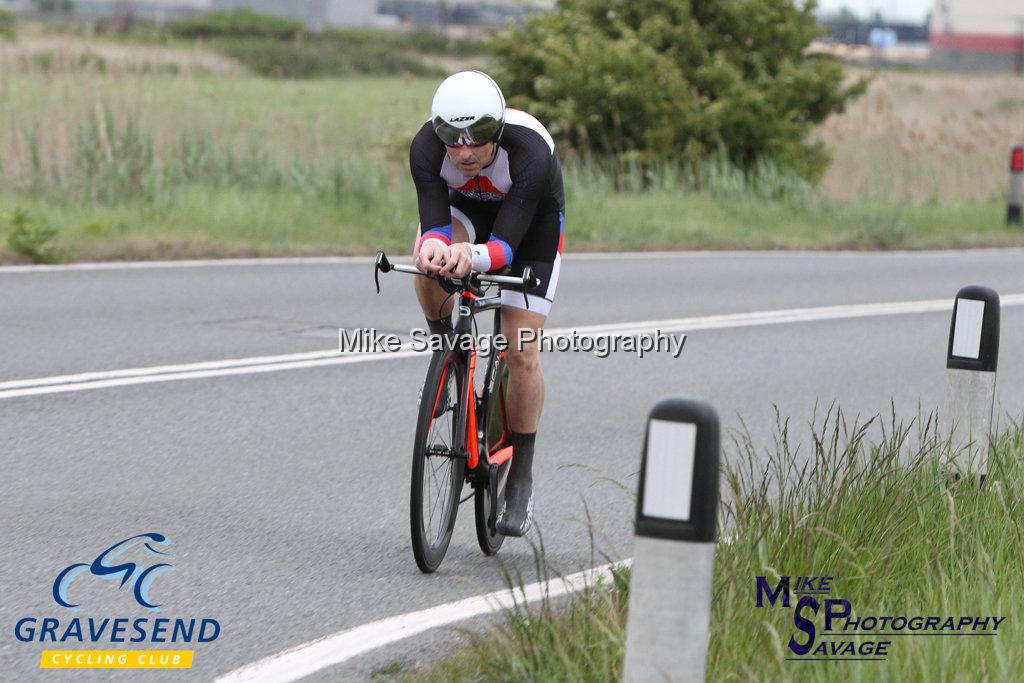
(849, 636)
(139, 580)
(135, 563)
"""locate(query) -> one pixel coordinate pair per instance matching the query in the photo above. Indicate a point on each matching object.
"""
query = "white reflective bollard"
(674, 556)
(971, 360)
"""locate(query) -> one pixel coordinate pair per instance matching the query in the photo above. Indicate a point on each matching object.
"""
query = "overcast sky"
(909, 10)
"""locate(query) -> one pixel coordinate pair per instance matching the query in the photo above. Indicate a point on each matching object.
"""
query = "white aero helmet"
(468, 109)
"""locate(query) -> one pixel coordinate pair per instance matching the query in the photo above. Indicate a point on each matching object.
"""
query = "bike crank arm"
(492, 491)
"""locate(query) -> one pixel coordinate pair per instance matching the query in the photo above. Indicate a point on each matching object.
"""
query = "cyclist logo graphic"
(130, 573)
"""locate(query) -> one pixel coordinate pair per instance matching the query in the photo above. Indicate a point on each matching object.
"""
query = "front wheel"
(437, 473)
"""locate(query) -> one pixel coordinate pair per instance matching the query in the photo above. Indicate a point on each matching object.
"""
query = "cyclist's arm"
(426, 155)
(530, 170)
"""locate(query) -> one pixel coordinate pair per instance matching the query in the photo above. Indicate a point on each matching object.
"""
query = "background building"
(978, 34)
(156, 10)
(462, 12)
(318, 14)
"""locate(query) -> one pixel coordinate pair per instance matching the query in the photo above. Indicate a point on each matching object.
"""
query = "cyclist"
(489, 188)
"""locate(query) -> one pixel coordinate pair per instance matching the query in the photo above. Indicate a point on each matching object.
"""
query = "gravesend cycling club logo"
(849, 635)
(138, 578)
(131, 566)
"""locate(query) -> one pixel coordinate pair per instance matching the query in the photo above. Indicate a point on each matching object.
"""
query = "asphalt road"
(285, 493)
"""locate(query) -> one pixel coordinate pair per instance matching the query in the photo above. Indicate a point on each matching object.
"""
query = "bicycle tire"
(496, 429)
(445, 381)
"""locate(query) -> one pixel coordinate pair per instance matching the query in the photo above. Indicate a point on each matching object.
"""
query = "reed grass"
(869, 503)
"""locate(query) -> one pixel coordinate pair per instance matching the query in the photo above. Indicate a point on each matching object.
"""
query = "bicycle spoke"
(431, 502)
(438, 481)
(433, 507)
(443, 500)
(439, 489)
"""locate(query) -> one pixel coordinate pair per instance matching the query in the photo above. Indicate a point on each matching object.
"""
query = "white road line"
(190, 263)
(303, 660)
(306, 659)
(260, 364)
(162, 369)
(334, 359)
(777, 317)
(574, 256)
(784, 253)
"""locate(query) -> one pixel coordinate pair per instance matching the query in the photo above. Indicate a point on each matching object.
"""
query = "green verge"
(109, 165)
(869, 505)
(199, 220)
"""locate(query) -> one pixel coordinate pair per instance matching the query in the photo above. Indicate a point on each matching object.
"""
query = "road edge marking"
(574, 256)
(308, 658)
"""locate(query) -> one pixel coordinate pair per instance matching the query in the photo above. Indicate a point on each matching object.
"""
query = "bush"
(8, 24)
(54, 5)
(317, 58)
(33, 238)
(664, 80)
(279, 47)
(239, 23)
(423, 40)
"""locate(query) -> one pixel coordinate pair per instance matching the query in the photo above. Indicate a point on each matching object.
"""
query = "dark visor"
(477, 133)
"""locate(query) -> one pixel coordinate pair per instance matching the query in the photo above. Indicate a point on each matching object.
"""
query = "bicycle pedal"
(442, 452)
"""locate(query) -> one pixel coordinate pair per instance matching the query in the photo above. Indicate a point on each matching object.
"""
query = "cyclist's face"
(469, 160)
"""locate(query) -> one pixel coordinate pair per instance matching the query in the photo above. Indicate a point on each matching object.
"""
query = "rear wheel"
(497, 437)
(490, 542)
(437, 475)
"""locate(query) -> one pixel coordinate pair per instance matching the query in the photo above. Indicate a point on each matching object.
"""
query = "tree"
(54, 5)
(8, 24)
(677, 80)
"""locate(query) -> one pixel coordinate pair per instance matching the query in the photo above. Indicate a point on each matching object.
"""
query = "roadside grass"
(194, 220)
(200, 221)
(168, 151)
(925, 138)
(868, 504)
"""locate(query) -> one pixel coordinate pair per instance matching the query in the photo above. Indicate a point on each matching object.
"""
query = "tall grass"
(870, 504)
(195, 161)
(115, 161)
(925, 139)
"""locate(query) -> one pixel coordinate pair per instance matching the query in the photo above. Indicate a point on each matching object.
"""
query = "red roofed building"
(978, 34)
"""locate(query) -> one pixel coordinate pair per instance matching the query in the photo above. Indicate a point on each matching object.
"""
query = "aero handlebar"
(471, 283)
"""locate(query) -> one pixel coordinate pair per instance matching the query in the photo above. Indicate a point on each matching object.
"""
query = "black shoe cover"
(516, 516)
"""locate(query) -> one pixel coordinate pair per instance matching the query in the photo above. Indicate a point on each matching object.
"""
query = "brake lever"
(381, 265)
(527, 279)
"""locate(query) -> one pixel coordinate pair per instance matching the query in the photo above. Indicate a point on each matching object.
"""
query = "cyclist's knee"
(523, 359)
(430, 295)
(522, 329)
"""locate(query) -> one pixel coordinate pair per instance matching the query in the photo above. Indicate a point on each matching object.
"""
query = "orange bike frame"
(472, 442)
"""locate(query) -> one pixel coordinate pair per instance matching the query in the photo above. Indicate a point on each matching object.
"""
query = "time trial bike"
(462, 433)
